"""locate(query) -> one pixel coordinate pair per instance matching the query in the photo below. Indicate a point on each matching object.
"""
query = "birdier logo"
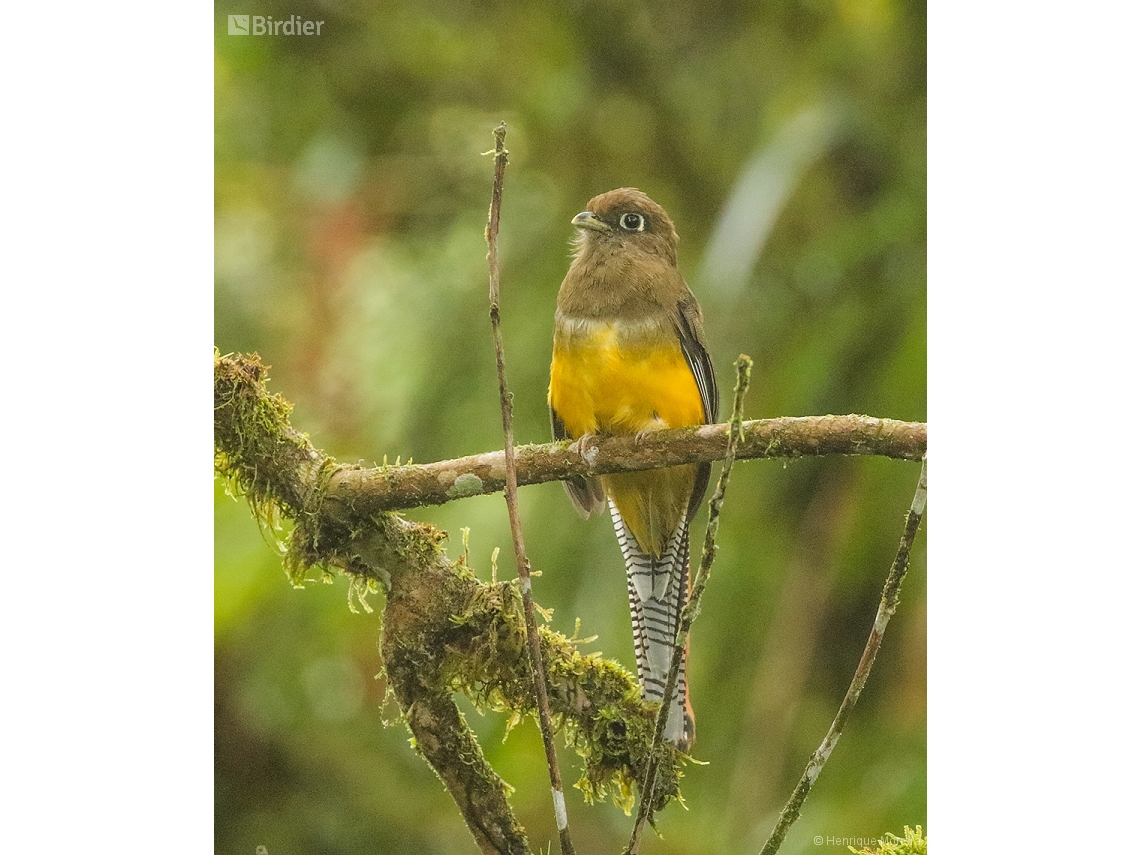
(267, 25)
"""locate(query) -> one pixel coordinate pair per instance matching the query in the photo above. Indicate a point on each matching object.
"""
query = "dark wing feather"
(690, 330)
(585, 493)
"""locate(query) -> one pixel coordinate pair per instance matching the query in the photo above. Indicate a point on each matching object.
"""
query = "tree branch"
(394, 487)
(444, 630)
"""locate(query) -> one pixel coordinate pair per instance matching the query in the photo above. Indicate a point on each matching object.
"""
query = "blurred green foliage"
(787, 141)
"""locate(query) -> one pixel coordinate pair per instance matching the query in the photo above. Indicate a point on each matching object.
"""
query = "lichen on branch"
(444, 630)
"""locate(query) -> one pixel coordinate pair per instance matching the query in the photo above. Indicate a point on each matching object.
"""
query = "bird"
(629, 357)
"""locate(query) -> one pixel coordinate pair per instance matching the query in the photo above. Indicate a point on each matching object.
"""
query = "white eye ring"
(632, 222)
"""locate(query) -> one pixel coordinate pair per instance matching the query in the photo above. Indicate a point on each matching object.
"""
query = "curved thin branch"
(511, 493)
(887, 606)
(394, 487)
(693, 607)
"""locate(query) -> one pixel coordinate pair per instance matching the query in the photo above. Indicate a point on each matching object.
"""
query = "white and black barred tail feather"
(658, 590)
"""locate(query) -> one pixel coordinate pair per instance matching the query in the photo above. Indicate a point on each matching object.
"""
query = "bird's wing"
(586, 494)
(690, 330)
(658, 590)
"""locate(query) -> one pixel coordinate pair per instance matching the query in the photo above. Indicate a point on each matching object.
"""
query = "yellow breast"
(607, 379)
(614, 378)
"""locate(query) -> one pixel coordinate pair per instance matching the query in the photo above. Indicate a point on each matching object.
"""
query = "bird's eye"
(633, 222)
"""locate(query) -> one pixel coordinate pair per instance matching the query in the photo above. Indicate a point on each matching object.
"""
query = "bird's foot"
(657, 424)
(581, 447)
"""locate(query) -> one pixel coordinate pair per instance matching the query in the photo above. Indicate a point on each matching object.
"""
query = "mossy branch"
(444, 630)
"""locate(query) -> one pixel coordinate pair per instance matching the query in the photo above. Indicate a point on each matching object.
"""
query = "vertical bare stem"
(887, 605)
(510, 492)
(693, 607)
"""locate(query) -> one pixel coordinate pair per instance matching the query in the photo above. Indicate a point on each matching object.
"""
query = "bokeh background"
(787, 140)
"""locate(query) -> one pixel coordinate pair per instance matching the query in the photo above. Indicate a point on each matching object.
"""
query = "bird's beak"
(589, 220)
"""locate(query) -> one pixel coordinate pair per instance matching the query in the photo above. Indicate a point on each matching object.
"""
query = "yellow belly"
(606, 383)
(600, 384)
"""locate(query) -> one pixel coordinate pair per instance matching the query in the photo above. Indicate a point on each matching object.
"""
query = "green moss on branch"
(444, 630)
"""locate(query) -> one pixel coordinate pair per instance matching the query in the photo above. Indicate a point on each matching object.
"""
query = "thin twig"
(511, 493)
(887, 605)
(693, 607)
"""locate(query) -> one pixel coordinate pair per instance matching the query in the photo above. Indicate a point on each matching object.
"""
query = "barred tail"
(658, 590)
